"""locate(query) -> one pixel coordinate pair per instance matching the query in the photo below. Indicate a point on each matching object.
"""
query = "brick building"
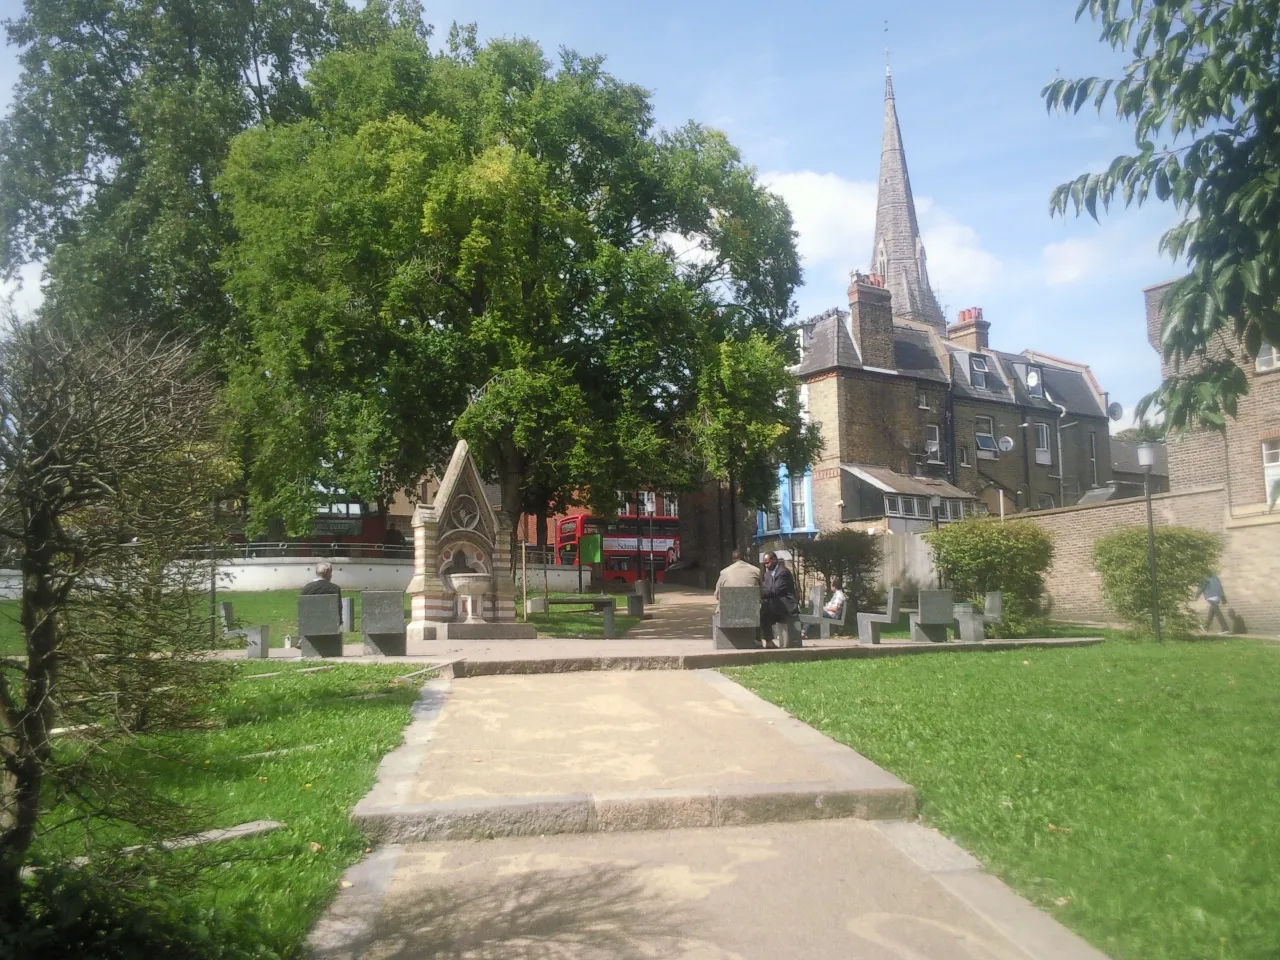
(919, 417)
(1245, 458)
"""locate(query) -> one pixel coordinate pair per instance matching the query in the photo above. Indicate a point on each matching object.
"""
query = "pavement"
(650, 815)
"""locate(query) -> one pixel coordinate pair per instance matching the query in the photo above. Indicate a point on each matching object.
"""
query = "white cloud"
(836, 220)
(23, 294)
(957, 262)
(835, 217)
(1069, 261)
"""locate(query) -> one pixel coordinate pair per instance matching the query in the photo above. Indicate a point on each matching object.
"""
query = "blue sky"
(799, 87)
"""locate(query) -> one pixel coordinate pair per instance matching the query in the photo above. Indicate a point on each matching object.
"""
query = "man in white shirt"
(833, 609)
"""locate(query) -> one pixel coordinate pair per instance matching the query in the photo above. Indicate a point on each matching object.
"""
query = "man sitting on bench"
(833, 609)
(778, 602)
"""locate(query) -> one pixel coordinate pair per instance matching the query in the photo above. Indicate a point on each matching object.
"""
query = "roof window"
(978, 371)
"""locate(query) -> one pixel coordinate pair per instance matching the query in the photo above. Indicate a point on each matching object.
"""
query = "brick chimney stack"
(970, 330)
(871, 319)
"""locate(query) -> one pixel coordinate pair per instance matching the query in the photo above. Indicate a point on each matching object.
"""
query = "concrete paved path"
(627, 750)
(641, 815)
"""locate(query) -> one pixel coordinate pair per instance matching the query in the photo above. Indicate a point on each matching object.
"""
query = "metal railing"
(319, 551)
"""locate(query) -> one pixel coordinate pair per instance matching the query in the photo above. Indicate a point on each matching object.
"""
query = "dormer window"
(1035, 382)
(978, 371)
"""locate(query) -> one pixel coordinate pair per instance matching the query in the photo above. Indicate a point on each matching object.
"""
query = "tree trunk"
(29, 723)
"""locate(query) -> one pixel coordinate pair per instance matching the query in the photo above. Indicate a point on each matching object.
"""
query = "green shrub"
(852, 555)
(979, 555)
(74, 913)
(1184, 557)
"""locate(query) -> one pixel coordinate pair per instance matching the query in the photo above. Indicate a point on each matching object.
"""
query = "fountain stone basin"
(473, 587)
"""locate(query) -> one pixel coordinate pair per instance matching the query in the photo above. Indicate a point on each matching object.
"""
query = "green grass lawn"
(278, 609)
(1131, 789)
(347, 719)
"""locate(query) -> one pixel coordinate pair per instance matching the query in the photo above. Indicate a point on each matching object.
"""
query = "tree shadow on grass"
(602, 912)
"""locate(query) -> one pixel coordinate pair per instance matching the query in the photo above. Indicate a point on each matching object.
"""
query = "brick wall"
(1250, 562)
(871, 322)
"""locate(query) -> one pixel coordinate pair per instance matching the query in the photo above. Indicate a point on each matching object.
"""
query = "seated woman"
(833, 609)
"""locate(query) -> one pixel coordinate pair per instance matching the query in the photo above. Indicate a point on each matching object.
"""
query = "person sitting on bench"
(777, 596)
(833, 609)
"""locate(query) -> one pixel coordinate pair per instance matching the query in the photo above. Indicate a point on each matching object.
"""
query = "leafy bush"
(78, 914)
(852, 555)
(979, 555)
(1184, 557)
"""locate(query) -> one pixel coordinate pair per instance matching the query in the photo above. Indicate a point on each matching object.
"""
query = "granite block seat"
(971, 624)
(736, 625)
(382, 622)
(935, 615)
(817, 619)
(320, 625)
(869, 624)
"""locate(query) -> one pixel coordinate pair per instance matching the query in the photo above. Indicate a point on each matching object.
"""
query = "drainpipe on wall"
(1024, 416)
(953, 472)
(1062, 467)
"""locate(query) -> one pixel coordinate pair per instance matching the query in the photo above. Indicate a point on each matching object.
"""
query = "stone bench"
(382, 622)
(935, 615)
(736, 625)
(971, 624)
(605, 605)
(869, 624)
(819, 620)
(320, 625)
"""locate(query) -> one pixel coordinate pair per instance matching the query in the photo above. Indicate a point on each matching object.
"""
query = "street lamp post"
(935, 505)
(1147, 460)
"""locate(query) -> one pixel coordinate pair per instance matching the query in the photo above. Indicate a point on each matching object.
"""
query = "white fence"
(557, 579)
(907, 560)
(290, 573)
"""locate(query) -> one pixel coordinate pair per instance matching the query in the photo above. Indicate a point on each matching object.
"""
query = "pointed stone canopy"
(898, 253)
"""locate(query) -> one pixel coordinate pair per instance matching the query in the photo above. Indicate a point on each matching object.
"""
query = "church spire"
(898, 253)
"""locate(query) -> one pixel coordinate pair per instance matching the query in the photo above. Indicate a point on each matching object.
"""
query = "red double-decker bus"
(629, 546)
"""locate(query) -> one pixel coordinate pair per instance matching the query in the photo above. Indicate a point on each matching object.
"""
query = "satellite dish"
(1005, 444)
(1115, 411)
(931, 446)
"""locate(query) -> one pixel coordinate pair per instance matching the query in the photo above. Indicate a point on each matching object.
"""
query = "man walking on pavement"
(778, 602)
(1215, 596)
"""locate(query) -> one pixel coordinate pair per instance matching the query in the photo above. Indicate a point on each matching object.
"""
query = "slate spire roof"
(898, 253)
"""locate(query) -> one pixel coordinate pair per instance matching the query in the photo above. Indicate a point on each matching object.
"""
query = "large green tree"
(1203, 91)
(120, 123)
(479, 243)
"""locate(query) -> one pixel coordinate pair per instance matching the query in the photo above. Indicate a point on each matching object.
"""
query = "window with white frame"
(978, 371)
(892, 506)
(799, 513)
(1268, 358)
(984, 437)
(670, 505)
(923, 401)
(908, 506)
(1093, 457)
(1046, 501)
(933, 443)
(804, 403)
(1270, 465)
(1043, 457)
(964, 455)
(1035, 381)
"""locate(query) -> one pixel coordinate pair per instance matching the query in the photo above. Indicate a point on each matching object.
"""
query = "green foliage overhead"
(1184, 557)
(979, 555)
(748, 417)
(120, 122)
(852, 555)
(1203, 91)
(478, 244)
(1145, 431)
